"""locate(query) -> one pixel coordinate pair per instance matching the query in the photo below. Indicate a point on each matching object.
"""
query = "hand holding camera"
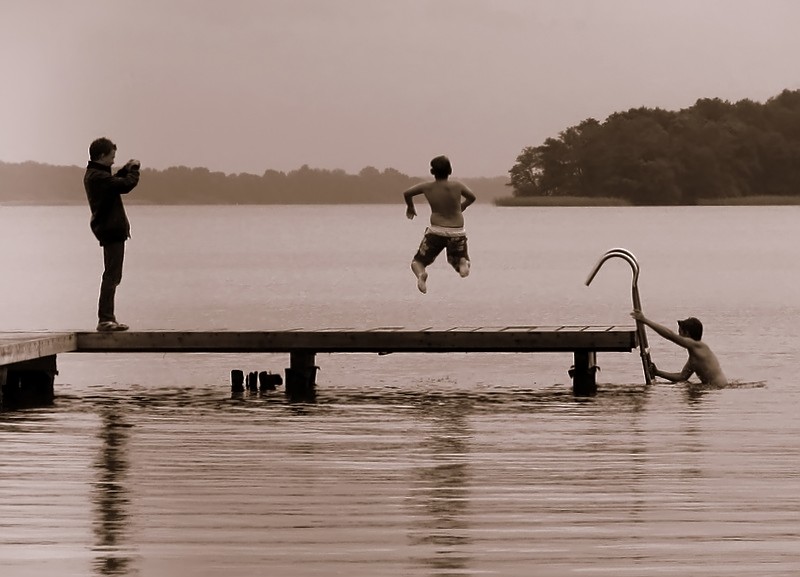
(133, 164)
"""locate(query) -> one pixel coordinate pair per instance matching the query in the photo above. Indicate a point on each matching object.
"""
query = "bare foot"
(421, 274)
(421, 280)
(463, 268)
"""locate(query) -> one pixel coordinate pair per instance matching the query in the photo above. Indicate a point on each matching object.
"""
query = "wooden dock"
(29, 358)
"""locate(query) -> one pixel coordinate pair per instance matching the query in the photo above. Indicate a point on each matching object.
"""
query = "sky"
(255, 85)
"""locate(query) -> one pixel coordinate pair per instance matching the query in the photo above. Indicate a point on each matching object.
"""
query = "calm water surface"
(406, 465)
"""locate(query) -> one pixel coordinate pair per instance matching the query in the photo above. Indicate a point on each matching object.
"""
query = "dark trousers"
(113, 257)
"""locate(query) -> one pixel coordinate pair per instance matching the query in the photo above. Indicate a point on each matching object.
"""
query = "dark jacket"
(109, 222)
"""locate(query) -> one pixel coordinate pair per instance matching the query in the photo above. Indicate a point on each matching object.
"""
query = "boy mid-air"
(702, 361)
(446, 229)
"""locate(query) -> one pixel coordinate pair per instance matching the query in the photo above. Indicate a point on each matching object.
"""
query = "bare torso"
(444, 197)
(703, 362)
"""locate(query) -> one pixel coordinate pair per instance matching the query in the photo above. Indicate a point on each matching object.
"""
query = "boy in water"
(446, 229)
(702, 360)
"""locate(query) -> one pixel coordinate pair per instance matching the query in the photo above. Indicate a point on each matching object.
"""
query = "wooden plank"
(382, 339)
(19, 347)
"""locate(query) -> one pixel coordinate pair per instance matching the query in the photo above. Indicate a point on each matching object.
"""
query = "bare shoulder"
(700, 351)
(418, 188)
(462, 189)
(699, 346)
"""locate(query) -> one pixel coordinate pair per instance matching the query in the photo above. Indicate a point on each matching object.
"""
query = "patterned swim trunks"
(434, 242)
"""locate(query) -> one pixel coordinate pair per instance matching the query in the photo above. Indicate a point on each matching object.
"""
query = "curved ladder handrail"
(627, 256)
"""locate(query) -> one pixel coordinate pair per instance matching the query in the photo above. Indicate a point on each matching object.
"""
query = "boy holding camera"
(109, 223)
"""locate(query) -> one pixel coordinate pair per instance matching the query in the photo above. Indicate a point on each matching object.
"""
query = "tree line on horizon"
(714, 149)
(43, 184)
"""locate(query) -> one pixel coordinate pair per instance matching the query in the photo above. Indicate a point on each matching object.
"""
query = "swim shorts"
(434, 243)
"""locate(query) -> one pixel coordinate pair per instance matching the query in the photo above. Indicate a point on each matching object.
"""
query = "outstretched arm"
(663, 331)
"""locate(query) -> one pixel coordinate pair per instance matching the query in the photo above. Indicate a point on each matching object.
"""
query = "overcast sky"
(245, 86)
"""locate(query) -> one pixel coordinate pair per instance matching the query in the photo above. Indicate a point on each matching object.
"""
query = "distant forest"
(712, 150)
(43, 184)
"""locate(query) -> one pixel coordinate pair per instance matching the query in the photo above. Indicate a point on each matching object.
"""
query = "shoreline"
(588, 201)
(512, 202)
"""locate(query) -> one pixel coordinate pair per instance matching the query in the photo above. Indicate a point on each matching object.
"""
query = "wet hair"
(440, 167)
(100, 147)
(693, 327)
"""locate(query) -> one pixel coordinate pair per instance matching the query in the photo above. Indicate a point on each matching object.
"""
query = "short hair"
(440, 167)
(100, 147)
(693, 327)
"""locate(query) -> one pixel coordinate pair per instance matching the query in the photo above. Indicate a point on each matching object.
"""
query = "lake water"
(406, 465)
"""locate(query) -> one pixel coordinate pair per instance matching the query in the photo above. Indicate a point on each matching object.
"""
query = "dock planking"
(19, 347)
(24, 353)
(510, 339)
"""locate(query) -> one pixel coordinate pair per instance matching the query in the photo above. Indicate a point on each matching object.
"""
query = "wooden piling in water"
(252, 381)
(237, 381)
(583, 373)
(268, 381)
(301, 375)
(3, 375)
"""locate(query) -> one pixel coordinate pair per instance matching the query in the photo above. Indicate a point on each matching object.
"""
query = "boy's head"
(691, 327)
(440, 167)
(102, 149)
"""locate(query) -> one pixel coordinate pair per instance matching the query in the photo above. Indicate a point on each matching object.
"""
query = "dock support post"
(252, 381)
(301, 375)
(583, 373)
(28, 383)
(237, 381)
(268, 382)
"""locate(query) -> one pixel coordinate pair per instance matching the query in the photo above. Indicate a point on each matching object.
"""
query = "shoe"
(111, 326)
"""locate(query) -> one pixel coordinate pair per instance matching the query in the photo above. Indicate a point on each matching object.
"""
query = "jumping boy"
(446, 228)
(702, 360)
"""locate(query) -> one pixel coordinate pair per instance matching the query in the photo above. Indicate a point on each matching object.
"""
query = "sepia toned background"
(251, 85)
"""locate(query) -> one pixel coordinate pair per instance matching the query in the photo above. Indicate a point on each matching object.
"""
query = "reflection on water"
(439, 496)
(110, 495)
(457, 466)
(430, 480)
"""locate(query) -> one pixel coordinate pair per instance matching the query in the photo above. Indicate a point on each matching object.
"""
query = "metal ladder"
(641, 334)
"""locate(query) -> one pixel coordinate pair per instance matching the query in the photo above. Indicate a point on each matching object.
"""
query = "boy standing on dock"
(702, 361)
(446, 228)
(109, 223)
